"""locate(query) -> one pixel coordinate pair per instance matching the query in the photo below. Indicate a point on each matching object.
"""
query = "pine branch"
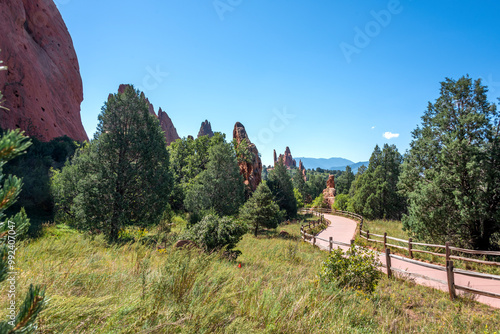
(32, 305)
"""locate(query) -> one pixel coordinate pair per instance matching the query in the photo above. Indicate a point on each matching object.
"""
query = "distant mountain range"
(331, 164)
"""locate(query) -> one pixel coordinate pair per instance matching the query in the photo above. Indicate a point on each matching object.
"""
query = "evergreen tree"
(122, 178)
(280, 184)
(344, 181)
(12, 144)
(189, 157)
(452, 172)
(261, 210)
(220, 187)
(299, 183)
(376, 194)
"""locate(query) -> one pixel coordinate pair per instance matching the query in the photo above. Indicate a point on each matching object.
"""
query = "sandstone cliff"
(42, 86)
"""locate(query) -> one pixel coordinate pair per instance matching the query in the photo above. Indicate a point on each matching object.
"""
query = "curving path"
(343, 229)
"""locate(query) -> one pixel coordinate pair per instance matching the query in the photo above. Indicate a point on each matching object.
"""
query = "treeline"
(127, 176)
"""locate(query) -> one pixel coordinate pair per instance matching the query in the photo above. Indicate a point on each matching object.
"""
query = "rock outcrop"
(286, 158)
(329, 193)
(165, 121)
(252, 170)
(42, 86)
(330, 183)
(302, 170)
(206, 130)
(167, 126)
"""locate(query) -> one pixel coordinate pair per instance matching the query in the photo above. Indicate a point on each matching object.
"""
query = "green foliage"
(341, 202)
(376, 194)
(280, 184)
(189, 157)
(13, 144)
(34, 168)
(220, 187)
(356, 268)
(213, 233)
(261, 210)
(452, 172)
(300, 184)
(344, 181)
(319, 202)
(315, 185)
(298, 198)
(122, 178)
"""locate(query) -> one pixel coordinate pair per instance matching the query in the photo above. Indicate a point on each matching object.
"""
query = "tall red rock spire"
(251, 171)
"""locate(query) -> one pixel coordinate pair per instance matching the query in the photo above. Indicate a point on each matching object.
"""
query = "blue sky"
(328, 78)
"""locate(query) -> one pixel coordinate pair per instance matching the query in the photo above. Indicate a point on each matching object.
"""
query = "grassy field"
(132, 288)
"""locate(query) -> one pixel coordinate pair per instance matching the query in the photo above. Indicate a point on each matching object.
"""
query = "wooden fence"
(411, 247)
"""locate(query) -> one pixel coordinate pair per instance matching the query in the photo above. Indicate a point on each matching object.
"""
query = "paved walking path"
(343, 229)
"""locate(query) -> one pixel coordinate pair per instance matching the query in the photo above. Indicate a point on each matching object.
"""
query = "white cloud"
(373, 127)
(390, 135)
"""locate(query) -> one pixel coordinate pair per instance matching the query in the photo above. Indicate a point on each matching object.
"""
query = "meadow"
(273, 287)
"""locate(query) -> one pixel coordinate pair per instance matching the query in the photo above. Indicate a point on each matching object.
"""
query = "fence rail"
(410, 247)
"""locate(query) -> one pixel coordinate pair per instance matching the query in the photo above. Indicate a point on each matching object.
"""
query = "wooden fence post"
(302, 233)
(410, 248)
(448, 253)
(388, 262)
(314, 241)
(385, 240)
(330, 245)
(368, 235)
(451, 279)
(361, 227)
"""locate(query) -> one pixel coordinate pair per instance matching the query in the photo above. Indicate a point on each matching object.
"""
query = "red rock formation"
(206, 129)
(330, 183)
(275, 157)
(167, 126)
(42, 86)
(251, 171)
(165, 121)
(287, 158)
(302, 170)
(329, 193)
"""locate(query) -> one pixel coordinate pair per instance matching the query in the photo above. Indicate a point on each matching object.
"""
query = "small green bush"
(341, 202)
(319, 202)
(356, 268)
(213, 233)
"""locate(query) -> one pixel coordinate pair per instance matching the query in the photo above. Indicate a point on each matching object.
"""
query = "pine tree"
(261, 210)
(122, 178)
(280, 184)
(376, 194)
(452, 172)
(220, 187)
(12, 144)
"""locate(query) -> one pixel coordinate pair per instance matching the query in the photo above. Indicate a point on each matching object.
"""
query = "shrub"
(356, 268)
(319, 202)
(341, 202)
(213, 233)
